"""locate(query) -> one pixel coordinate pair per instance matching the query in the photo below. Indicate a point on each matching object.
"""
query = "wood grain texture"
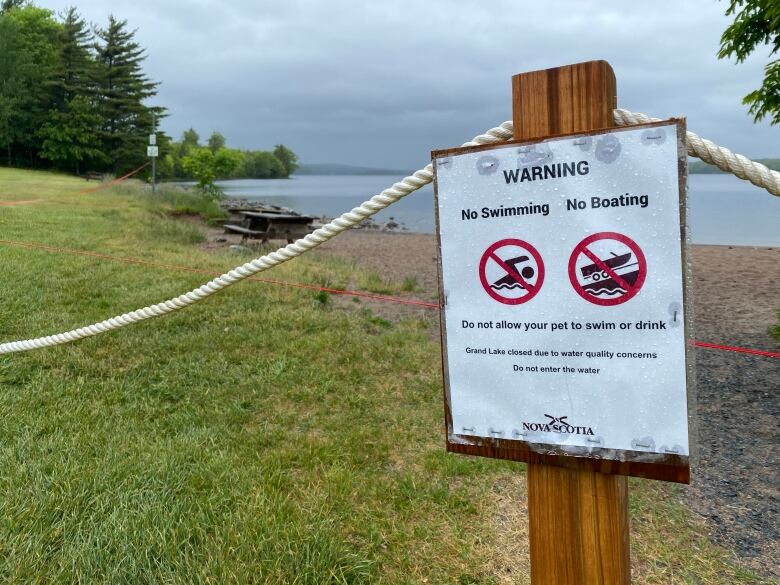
(578, 526)
(573, 98)
(578, 520)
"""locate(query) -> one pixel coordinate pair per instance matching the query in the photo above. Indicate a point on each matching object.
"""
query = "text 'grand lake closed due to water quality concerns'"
(563, 293)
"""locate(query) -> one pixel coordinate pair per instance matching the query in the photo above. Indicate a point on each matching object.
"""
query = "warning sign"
(560, 263)
(607, 268)
(511, 271)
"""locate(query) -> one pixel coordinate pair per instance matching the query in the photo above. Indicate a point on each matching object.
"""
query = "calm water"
(723, 209)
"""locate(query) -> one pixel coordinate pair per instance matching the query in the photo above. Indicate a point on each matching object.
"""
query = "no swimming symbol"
(511, 271)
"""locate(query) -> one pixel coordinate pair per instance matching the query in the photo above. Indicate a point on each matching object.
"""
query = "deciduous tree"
(29, 53)
(14, 63)
(263, 165)
(8, 5)
(287, 157)
(756, 23)
(190, 139)
(207, 167)
(216, 141)
(71, 137)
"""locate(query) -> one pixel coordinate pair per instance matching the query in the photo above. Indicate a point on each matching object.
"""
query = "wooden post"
(578, 520)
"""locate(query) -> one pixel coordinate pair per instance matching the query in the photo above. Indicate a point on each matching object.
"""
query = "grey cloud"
(382, 84)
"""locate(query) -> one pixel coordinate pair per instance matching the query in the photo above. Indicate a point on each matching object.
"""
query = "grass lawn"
(261, 436)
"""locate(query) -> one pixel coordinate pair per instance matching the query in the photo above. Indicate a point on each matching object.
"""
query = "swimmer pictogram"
(511, 271)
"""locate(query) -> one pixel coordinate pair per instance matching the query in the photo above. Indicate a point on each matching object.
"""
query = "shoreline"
(723, 210)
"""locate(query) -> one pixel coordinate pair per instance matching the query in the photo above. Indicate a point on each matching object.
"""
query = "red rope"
(83, 191)
(335, 291)
(21, 202)
(113, 182)
(761, 352)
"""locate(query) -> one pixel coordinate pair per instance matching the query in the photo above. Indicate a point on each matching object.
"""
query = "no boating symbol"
(607, 268)
(511, 271)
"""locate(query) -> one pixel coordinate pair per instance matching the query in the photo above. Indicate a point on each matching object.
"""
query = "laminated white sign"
(562, 277)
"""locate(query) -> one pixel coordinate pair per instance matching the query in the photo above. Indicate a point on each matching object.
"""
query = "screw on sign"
(607, 268)
(511, 271)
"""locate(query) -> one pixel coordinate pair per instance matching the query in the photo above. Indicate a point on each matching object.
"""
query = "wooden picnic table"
(268, 225)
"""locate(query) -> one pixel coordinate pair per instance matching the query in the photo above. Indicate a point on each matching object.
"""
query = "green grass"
(261, 436)
(410, 284)
(172, 200)
(371, 281)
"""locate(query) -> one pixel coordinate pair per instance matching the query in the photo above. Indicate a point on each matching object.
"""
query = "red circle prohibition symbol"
(513, 274)
(602, 273)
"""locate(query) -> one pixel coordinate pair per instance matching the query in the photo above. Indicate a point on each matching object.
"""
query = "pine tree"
(73, 76)
(69, 136)
(122, 87)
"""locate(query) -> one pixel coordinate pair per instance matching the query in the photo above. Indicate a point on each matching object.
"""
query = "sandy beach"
(736, 290)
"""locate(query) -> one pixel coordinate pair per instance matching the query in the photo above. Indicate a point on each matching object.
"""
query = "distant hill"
(338, 169)
(694, 167)
(702, 168)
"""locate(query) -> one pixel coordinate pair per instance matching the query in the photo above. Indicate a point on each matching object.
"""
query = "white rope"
(709, 152)
(347, 220)
(704, 149)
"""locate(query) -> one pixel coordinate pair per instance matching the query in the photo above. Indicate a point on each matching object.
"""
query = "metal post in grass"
(152, 151)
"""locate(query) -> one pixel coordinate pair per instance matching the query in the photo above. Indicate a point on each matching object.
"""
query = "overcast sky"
(383, 83)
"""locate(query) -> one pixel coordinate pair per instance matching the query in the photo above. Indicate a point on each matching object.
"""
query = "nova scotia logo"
(561, 420)
(557, 424)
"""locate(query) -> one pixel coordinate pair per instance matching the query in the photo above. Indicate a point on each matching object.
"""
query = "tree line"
(699, 167)
(189, 159)
(74, 97)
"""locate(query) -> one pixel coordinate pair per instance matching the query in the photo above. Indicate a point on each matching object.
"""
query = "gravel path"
(736, 478)
(736, 481)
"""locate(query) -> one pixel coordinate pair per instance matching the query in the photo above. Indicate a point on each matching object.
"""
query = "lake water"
(723, 209)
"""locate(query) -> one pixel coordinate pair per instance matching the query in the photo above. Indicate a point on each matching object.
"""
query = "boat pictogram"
(600, 282)
(607, 268)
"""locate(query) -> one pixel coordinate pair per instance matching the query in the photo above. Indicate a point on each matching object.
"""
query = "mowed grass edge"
(261, 436)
